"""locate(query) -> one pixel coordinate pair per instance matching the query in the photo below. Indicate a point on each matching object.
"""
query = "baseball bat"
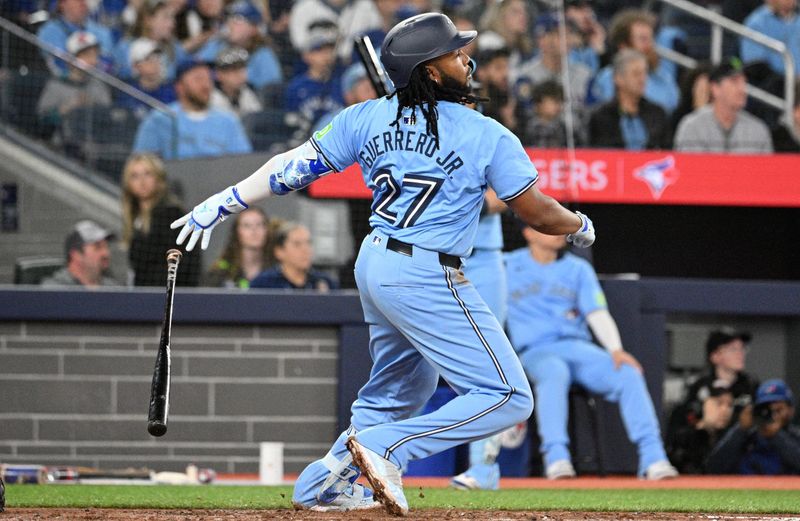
(159, 391)
(377, 76)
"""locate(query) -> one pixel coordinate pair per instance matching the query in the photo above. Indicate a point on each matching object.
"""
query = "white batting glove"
(206, 215)
(584, 237)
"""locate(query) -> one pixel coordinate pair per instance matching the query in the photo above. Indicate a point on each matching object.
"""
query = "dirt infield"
(87, 514)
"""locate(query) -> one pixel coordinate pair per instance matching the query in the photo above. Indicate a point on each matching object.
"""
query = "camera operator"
(726, 354)
(763, 441)
(689, 444)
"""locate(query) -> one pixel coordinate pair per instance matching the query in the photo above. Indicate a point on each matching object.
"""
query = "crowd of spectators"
(259, 57)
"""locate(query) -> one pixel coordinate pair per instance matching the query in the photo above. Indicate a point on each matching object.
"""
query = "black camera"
(762, 414)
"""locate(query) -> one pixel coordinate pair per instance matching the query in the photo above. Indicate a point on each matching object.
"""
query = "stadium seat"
(32, 270)
(102, 136)
(20, 98)
(267, 129)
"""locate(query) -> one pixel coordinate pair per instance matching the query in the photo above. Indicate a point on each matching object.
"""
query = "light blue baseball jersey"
(423, 195)
(548, 302)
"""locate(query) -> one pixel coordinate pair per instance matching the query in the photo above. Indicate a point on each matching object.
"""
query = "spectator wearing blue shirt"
(629, 121)
(243, 28)
(317, 91)
(633, 29)
(764, 441)
(777, 19)
(293, 253)
(148, 77)
(201, 131)
(71, 16)
(155, 20)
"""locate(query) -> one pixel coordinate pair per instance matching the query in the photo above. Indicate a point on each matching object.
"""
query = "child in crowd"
(63, 95)
(148, 77)
(546, 128)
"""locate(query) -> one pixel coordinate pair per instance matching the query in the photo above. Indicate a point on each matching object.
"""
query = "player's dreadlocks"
(425, 93)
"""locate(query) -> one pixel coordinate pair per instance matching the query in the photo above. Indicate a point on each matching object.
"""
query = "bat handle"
(173, 259)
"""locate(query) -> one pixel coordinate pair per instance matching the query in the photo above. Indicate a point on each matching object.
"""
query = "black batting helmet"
(417, 40)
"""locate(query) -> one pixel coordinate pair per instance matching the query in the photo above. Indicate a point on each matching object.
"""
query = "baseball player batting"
(554, 298)
(428, 160)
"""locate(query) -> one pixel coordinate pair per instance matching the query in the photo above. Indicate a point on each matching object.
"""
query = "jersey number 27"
(388, 191)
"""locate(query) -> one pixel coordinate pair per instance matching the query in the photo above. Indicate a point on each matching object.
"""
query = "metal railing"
(10, 30)
(720, 23)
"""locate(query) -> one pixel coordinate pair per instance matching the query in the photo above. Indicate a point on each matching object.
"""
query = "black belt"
(403, 248)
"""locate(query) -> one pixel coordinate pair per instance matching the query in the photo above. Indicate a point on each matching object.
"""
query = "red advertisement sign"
(619, 177)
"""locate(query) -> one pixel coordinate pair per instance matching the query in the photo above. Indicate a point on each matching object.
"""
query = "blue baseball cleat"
(383, 475)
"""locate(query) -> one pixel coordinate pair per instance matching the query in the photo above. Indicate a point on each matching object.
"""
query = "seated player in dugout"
(428, 160)
(554, 300)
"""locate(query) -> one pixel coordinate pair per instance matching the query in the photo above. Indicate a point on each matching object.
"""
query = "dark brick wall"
(77, 394)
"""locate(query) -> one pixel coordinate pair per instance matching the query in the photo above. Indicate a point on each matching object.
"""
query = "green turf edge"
(259, 497)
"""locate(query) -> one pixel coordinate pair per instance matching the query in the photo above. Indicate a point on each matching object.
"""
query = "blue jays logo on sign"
(658, 175)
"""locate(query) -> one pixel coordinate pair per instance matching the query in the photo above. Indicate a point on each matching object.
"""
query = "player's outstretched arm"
(545, 214)
(280, 175)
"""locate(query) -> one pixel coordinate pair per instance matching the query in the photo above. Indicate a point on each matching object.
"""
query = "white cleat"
(383, 476)
(561, 469)
(661, 470)
(355, 497)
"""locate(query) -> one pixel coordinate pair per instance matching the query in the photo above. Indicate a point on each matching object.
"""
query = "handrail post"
(716, 44)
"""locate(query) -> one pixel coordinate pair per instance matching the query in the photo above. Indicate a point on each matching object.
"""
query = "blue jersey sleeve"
(510, 172)
(336, 142)
(590, 294)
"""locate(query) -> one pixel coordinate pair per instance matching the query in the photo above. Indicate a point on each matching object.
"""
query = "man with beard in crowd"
(201, 131)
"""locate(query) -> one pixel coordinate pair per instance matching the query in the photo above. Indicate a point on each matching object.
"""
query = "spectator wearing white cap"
(232, 93)
(77, 89)
(88, 257)
(72, 16)
(307, 13)
(155, 20)
(244, 27)
(148, 76)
